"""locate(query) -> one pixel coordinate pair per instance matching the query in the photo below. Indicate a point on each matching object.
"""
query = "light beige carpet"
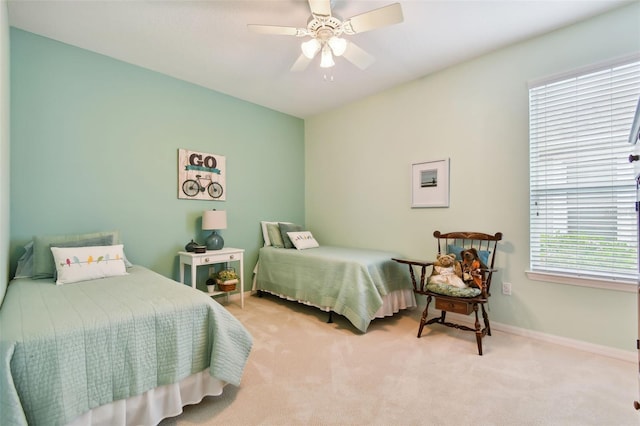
(303, 371)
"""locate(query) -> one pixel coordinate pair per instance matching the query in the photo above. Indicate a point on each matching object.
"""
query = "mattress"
(354, 283)
(71, 348)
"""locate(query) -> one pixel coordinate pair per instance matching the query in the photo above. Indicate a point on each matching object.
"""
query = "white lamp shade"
(310, 48)
(338, 45)
(326, 60)
(214, 219)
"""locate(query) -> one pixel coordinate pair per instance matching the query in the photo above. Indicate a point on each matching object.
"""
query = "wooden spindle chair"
(458, 300)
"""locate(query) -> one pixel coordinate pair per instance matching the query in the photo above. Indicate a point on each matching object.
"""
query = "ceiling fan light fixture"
(326, 60)
(310, 48)
(325, 31)
(338, 45)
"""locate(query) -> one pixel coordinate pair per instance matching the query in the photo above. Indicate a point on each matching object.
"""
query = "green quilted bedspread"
(351, 282)
(67, 349)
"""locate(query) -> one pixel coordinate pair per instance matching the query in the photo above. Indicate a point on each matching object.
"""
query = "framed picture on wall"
(201, 176)
(430, 184)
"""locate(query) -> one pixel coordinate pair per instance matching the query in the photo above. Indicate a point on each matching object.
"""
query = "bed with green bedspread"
(351, 282)
(67, 349)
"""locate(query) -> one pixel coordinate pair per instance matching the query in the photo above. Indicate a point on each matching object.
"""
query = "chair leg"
(478, 330)
(423, 320)
(485, 316)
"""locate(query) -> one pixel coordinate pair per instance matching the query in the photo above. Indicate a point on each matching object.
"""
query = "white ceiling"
(207, 42)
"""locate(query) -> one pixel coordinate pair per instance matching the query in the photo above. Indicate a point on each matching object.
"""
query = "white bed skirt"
(391, 303)
(396, 300)
(154, 405)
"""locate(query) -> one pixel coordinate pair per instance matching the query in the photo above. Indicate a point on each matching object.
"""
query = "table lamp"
(214, 220)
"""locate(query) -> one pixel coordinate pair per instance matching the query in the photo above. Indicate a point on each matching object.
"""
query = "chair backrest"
(485, 244)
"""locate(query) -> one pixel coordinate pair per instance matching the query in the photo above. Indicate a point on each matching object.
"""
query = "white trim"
(620, 354)
(587, 69)
(617, 285)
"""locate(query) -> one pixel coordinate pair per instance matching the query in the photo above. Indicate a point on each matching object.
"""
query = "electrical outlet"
(506, 289)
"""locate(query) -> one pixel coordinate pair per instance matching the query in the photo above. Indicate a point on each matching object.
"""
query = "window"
(583, 221)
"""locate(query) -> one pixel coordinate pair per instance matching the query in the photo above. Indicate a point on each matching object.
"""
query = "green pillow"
(449, 290)
(43, 265)
(288, 227)
(273, 230)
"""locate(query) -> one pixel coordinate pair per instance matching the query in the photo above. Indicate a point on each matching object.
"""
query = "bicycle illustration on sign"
(192, 187)
(201, 176)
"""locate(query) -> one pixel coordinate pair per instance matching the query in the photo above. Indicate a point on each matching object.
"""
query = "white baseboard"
(233, 297)
(608, 351)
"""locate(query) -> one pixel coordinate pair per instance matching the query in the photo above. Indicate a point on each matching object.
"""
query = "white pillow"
(265, 233)
(75, 264)
(303, 240)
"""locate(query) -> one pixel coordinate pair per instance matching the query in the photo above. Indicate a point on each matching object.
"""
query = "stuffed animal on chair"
(447, 270)
(472, 267)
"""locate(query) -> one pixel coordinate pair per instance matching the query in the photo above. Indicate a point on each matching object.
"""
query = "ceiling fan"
(325, 32)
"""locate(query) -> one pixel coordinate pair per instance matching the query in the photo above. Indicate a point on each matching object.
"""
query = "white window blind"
(582, 188)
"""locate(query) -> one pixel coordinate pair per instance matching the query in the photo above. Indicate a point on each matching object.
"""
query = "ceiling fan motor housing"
(324, 27)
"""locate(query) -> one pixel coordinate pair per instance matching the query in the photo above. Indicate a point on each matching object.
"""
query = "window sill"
(617, 285)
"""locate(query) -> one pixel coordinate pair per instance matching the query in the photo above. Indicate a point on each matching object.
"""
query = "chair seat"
(449, 290)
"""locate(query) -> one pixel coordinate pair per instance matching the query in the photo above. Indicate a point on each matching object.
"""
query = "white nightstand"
(211, 257)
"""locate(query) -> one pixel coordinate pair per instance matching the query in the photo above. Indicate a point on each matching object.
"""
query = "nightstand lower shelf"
(219, 293)
(212, 257)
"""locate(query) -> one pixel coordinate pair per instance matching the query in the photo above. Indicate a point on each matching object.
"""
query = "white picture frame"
(201, 176)
(430, 184)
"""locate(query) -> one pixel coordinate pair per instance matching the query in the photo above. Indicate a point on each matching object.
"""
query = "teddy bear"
(447, 270)
(472, 267)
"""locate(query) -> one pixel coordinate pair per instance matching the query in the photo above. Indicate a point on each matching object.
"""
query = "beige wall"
(476, 113)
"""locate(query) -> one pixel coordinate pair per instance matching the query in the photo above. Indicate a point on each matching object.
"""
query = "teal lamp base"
(214, 241)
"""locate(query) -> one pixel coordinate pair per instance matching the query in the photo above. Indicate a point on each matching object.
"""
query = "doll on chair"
(472, 268)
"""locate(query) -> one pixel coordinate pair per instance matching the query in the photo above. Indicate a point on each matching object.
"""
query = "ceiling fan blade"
(377, 18)
(273, 29)
(301, 63)
(320, 7)
(357, 56)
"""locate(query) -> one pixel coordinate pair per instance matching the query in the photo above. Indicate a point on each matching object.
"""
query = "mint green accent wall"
(476, 114)
(94, 146)
(4, 148)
